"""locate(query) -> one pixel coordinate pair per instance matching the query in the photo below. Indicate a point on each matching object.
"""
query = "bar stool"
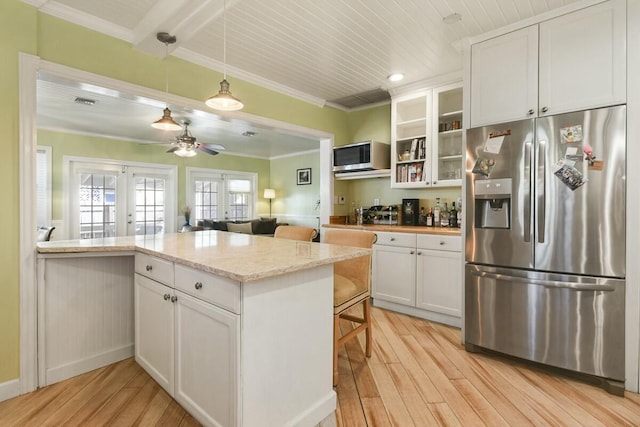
(295, 232)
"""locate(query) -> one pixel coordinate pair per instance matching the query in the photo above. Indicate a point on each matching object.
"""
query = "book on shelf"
(414, 147)
(421, 148)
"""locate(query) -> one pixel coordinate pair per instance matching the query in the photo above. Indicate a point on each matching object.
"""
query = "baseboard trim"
(9, 389)
(418, 312)
(318, 413)
(60, 373)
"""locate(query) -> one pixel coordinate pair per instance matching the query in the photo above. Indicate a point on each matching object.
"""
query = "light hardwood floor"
(418, 375)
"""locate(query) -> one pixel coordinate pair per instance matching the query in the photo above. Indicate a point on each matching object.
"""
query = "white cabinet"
(420, 275)
(426, 138)
(439, 274)
(188, 345)
(447, 136)
(207, 354)
(572, 62)
(154, 330)
(394, 268)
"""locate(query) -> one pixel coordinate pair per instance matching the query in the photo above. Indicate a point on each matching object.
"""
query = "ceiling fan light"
(223, 100)
(185, 152)
(166, 122)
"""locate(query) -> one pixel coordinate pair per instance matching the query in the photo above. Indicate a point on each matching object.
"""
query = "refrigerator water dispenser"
(492, 203)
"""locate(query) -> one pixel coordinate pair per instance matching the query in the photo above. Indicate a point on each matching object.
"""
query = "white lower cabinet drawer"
(440, 243)
(396, 239)
(154, 268)
(223, 292)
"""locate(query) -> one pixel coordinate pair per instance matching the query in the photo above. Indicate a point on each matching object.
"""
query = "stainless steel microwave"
(361, 156)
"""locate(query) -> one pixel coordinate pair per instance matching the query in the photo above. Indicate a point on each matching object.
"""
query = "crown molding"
(74, 16)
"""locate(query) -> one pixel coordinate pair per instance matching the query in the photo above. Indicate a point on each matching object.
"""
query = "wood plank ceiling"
(318, 50)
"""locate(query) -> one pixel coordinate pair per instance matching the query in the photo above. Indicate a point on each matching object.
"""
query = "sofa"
(261, 226)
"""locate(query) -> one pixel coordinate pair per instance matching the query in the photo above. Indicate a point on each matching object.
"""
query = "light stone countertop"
(441, 231)
(241, 257)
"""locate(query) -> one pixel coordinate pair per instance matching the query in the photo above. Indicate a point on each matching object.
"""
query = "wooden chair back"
(295, 232)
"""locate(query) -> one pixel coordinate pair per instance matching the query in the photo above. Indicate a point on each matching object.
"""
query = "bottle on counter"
(453, 216)
(444, 217)
(422, 219)
(436, 213)
(459, 212)
(430, 218)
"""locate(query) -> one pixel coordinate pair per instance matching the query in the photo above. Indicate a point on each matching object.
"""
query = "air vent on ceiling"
(85, 101)
(363, 98)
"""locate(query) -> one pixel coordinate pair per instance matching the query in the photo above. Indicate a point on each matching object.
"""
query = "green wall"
(293, 199)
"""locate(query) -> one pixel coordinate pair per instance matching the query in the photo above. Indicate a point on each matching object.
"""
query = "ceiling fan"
(185, 145)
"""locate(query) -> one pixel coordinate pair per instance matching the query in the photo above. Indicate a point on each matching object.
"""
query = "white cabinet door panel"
(582, 59)
(504, 77)
(439, 281)
(394, 274)
(154, 330)
(207, 355)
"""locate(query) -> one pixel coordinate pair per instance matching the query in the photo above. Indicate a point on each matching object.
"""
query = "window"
(97, 205)
(149, 205)
(220, 195)
(108, 198)
(239, 194)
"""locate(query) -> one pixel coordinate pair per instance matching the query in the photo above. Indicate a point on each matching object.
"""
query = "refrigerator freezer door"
(570, 322)
(580, 229)
(499, 194)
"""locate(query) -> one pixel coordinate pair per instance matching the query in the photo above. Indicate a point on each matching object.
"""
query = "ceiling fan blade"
(172, 149)
(207, 150)
(215, 147)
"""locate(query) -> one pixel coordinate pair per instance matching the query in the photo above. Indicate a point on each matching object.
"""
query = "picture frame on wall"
(303, 176)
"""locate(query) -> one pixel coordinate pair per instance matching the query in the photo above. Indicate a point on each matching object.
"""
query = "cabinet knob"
(167, 297)
(149, 267)
(419, 253)
(441, 243)
(411, 252)
(392, 239)
(198, 285)
(531, 112)
(174, 298)
(544, 109)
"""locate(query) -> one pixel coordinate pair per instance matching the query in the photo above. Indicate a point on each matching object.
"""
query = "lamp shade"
(166, 122)
(269, 193)
(223, 100)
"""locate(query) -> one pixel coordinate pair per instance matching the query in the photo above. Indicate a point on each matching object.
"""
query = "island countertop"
(241, 257)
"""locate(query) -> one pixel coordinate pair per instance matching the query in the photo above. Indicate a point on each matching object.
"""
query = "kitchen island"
(237, 328)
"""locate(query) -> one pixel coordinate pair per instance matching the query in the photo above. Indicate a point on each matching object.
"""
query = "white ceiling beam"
(183, 19)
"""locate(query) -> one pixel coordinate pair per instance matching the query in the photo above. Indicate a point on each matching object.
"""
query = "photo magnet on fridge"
(571, 134)
(483, 166)
(569, 175)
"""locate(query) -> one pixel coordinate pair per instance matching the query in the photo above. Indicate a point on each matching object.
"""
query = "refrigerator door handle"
(541, 189)
(546, 283)
(527, 191)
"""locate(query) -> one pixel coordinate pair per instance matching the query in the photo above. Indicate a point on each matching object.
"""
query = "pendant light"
(166, 122)
(223, 100)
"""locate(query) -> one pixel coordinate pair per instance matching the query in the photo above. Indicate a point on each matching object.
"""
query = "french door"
(108, 200)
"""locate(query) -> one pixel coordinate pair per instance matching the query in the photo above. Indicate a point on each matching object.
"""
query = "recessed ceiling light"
(452, 19)
(395, 77)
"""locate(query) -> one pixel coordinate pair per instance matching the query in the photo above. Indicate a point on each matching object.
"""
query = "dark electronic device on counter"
(410, 211)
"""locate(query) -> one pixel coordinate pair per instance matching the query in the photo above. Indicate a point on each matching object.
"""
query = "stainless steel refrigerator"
(545, 241)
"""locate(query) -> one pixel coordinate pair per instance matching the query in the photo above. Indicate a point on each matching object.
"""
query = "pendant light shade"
(166, 122)
(223, 100)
